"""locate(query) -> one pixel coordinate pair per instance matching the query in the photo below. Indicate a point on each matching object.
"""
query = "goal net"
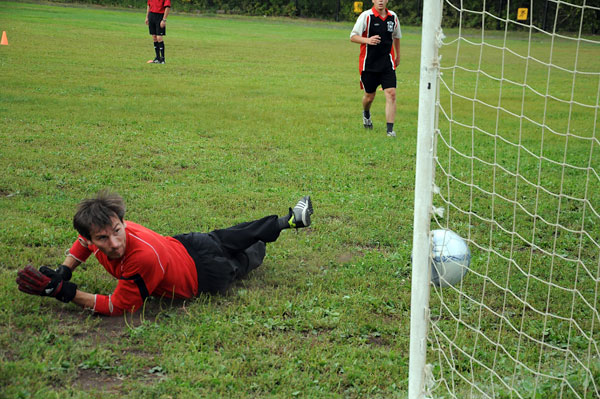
(513, 167)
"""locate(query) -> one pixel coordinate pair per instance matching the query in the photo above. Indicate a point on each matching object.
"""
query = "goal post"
(421, 271)
(508, 157)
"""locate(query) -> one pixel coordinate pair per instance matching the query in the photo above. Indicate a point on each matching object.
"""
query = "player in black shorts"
(378, 32)
(156, 19)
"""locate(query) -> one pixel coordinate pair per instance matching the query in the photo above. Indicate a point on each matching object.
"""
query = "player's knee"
(390, 94)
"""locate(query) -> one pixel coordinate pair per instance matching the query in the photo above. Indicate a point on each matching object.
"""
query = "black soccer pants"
(225, 255)
(241, 236)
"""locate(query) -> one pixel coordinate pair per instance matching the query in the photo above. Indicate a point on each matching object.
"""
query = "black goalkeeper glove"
(63, 271)
(45, 282)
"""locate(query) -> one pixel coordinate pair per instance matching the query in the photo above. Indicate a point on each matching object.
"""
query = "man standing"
(378, 32)
(147, 263)
(156, 19)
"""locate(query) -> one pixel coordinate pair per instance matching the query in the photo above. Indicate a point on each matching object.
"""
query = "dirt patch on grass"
(345, 257)
(376, 340)
(91, 380)
(7, 194)
(99, 331)
(106, 329)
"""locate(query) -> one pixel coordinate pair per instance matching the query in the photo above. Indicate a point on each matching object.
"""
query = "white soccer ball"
(450, 257)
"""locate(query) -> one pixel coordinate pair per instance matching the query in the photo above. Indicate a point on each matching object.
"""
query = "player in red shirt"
(147, 263)
(156, 19)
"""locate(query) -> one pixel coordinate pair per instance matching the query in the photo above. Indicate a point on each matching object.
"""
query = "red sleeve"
(125, 298)
(167, 3)
(79, 251)
(104, 306)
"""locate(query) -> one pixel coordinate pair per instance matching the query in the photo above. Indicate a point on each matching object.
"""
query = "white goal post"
(508, 157)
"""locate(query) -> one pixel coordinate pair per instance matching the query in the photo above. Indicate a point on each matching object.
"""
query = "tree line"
(547, 15)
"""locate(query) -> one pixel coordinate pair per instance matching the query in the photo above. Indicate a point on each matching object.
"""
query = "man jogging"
(156, 19)
(378, 32)
(149, 264)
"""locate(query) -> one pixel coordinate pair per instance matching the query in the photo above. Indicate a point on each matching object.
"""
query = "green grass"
(247, 115)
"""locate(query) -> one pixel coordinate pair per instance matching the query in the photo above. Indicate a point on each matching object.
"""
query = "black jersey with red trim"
(380, 57)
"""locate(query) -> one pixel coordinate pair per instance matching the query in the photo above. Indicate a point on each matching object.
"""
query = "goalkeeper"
(147, 263)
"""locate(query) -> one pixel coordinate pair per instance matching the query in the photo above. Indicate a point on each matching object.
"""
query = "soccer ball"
(450, 258)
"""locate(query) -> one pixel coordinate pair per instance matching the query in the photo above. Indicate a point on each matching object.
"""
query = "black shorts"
(154, 20)
(370, 80)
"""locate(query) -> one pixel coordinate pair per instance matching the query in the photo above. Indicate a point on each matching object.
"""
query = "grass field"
(247, 115)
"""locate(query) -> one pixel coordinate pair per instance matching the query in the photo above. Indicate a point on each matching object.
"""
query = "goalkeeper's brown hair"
(96, 213)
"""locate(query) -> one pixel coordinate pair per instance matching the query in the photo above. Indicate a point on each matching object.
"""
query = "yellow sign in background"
(358, 7)
(522, 14)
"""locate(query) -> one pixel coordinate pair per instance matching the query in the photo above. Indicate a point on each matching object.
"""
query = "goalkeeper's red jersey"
(152, 265)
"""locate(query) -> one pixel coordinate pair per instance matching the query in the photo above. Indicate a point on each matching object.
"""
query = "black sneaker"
(301, 213)
(161, 61)
(156, 60)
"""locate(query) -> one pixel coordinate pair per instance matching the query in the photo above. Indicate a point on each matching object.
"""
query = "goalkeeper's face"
(110, 239)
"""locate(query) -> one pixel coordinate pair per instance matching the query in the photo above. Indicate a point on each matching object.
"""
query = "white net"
(517, 171)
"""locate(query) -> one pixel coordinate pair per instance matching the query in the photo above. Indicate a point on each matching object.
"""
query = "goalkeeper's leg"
(241, 236)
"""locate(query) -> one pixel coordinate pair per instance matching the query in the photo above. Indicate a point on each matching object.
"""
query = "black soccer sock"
(367, 114)
(284, 221)
(161, 46)
(156, 50)
(390, 127)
